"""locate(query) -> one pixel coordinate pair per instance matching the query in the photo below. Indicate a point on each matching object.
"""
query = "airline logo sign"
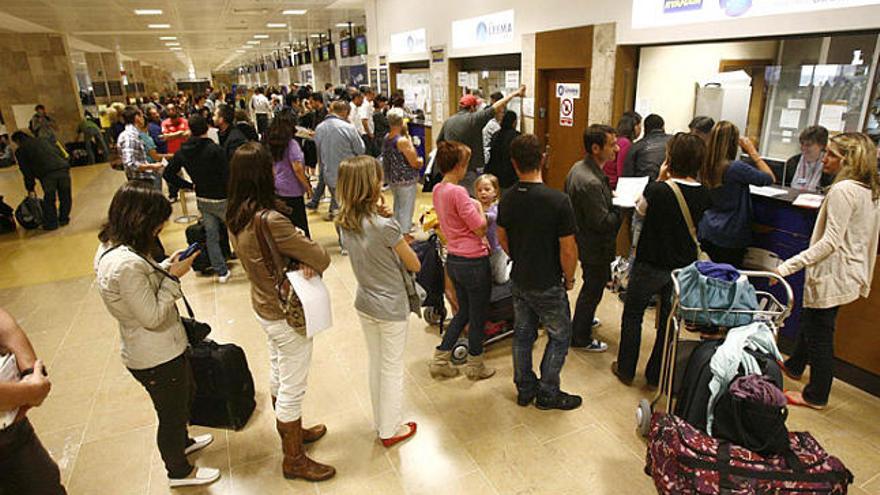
(568, 90)
(489, 29)
(409, 42)
(566, 112)
(657, 13)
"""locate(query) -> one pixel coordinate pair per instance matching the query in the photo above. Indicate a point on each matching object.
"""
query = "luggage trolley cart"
(770, 310)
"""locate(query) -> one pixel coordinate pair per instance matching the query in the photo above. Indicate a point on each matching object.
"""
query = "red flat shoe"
(797, 399)
(390, 442)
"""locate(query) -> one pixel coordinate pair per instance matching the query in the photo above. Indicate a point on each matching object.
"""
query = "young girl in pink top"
(464, 223)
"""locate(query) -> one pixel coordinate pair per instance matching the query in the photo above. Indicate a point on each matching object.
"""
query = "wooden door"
(565, 144)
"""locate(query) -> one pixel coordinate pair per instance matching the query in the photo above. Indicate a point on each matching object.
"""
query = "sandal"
(390, 442)
(796, 398)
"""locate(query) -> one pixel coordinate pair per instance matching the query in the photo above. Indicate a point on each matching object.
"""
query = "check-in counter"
(782, 230)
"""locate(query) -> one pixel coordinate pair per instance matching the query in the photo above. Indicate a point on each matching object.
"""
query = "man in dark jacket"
(40, 160)
(231, 136)
(647, 154)
(311, 121)
(206, 164)
(598, 221)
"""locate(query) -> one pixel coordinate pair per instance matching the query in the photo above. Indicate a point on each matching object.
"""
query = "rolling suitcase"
(224, 395)
(684, 460)
(29, 213)
(196, 233)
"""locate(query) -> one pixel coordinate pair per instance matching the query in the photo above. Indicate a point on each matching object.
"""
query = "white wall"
(667, 75)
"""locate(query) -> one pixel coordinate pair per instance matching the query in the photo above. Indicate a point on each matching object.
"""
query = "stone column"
(439, 73)
(528, 76)
(602, 74)
(36, 68)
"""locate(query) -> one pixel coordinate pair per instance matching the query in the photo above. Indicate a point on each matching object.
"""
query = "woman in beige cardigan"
(839, 262)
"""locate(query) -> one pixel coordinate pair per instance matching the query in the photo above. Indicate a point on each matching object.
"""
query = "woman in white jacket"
(839, 263)
(142, 295)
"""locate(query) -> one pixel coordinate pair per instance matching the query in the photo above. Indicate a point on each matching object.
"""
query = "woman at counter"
(629, 128)
(804, 171)
(839, 263)
(725, 230)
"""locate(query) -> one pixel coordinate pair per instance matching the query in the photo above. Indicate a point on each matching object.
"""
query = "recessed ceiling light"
(148, 11)
(159, 26)
(172, 44)
(275, 25)
(295, 12)
(168, 38)
(261, 36)
(253, 42)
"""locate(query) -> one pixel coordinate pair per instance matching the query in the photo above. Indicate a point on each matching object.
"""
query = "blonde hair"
(358, 189)
(859, 160)
(491, 179)
(720, 152)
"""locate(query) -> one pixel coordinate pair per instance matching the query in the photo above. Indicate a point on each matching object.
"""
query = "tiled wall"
(36, 68)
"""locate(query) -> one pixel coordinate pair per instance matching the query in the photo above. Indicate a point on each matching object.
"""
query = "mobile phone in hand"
(189, 251)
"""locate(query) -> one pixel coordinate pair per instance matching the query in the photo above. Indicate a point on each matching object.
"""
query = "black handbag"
(751, 424)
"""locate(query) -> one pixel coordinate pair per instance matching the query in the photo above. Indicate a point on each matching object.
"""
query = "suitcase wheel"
(460, 352)
(433, 316)
(643, 417)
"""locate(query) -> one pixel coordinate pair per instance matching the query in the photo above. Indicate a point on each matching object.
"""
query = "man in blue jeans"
(536, 228)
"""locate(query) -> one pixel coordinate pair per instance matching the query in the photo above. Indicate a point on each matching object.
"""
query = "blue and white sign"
(489, 29)
(409, 42)
(658, 13)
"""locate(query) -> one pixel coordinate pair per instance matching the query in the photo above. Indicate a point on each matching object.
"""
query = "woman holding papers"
(382, 261)
(671, 206)
(251, 199)
(726, 228)
(839, 262)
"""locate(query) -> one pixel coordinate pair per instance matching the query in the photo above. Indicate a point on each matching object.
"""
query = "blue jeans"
(213, 213)
(550, 307)
(318, 193)
(645, 281)
(404, 204)
(472, 279)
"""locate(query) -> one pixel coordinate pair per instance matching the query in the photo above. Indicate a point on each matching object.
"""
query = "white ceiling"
(209, 31)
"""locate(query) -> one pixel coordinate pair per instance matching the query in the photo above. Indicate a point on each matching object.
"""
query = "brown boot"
(441, 367)
(310, 435)
(296, 464)
(476, 369)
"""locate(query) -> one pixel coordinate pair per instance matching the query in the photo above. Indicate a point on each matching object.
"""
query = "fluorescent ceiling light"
(175, 49)
(261, 36)
(274, 25)
(345, 25)
(159, 26)
(316, 35)
(295, 12)
(168, 38)
(148, 11)
(240, 51)
(172, 44)
(247, 46)
(253, 42)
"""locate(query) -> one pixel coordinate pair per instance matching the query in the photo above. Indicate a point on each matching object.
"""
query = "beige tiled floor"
(99, 424)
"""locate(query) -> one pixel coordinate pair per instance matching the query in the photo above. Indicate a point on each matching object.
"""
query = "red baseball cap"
(468, 101)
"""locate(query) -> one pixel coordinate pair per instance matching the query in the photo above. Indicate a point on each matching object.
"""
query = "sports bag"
(684, 460)
(224, 395)
(30, 213)
(714, 301)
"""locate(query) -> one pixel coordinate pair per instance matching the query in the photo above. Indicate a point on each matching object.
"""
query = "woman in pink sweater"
(628, 129)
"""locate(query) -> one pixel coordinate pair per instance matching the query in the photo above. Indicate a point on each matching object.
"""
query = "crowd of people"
(499, 221)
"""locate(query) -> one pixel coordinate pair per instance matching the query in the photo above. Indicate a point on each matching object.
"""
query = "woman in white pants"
(252, 200)
(380, 259)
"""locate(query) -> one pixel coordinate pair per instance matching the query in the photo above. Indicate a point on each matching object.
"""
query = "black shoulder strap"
(159, 269)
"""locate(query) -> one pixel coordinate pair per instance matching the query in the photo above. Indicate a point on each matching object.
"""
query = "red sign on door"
(566, 112)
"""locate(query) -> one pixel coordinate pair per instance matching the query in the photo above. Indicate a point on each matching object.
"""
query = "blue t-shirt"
(149, 145)
(156, 133)
(728, 223)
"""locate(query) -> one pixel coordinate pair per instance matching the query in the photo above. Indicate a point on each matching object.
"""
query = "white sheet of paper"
(831, 117)
(767, 191)
(809, 200)
(315, 299)
(797, 104)
(304, 132)
(790, 118)
(629, 190)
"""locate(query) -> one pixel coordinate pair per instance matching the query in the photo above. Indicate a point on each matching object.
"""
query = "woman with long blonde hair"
(725, 230)
(839, 262)
(380, 258)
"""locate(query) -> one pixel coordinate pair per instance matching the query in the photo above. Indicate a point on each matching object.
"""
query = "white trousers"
(290, 355)
(385, 344)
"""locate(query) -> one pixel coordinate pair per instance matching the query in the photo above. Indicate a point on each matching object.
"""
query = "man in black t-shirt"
(666, 243)
(536, 228)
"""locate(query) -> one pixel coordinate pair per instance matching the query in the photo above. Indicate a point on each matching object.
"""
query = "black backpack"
(224, 396)
(7, 218)
(196, 233)
(30, 213)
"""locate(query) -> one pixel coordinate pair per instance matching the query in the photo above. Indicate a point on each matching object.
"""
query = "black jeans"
(297, 214)
(595, 278)
(25, 466)
(815, 346)
(645, 281)
(472, 278)
(56, 187)
(550, 308)
(262, 124)
(719, 254)
(170, 386)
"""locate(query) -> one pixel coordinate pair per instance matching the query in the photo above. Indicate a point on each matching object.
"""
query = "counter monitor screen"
(345, 48)
(360, 45)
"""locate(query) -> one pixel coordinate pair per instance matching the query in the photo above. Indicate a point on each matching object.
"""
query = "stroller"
(677, 352)
(499, 323)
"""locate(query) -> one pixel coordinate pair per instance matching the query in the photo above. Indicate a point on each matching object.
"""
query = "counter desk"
(420, 131)
(782, 230)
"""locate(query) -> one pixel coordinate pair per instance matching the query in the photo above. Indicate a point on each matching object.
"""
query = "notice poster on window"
(831, 116)
(789, 119)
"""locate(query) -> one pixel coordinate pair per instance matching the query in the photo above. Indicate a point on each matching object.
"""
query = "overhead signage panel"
(490, 29)
(409, 42)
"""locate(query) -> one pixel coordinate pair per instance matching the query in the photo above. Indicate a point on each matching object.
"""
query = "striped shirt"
(133, 153)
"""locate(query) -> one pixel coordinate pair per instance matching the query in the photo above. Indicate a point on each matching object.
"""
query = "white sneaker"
(201, 442)
(224, 278)
(199, 476)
